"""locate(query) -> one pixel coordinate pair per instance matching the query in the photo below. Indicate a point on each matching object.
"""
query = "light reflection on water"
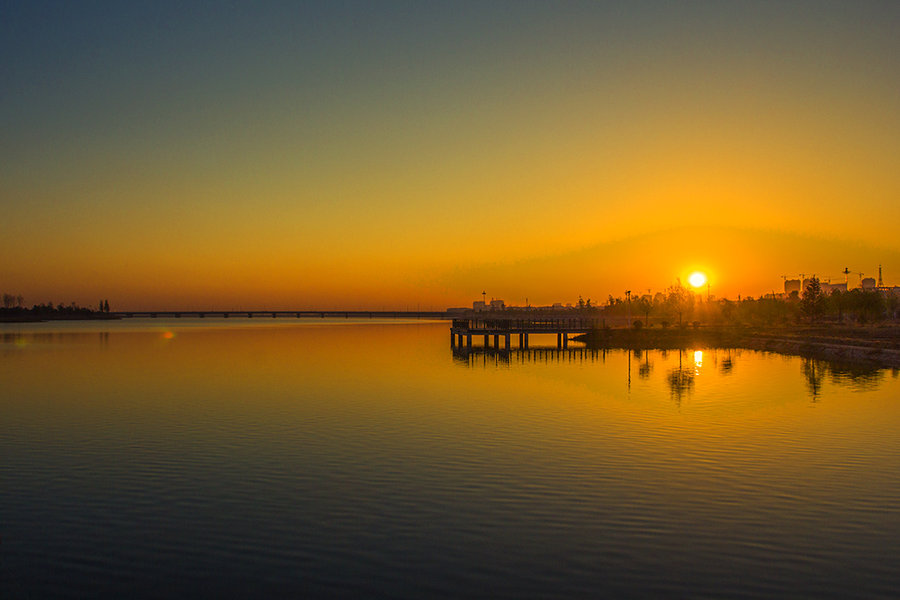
(368, 459)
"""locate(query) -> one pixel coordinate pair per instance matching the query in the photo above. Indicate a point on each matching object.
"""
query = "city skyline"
(356, 156)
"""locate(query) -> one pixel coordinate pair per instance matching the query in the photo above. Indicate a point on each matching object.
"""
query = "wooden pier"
(462, 330)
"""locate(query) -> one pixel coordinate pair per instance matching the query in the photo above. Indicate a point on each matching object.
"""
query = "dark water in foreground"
(337, 459)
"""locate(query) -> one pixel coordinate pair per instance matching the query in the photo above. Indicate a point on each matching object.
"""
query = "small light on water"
(168, 335)
(698, 358)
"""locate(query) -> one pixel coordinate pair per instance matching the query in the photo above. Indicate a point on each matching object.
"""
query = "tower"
(880, 280)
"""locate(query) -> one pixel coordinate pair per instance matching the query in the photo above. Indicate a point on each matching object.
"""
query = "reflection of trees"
(814, 372)
(726, 365)
(645, 367)
(680, 380)
(857, 377)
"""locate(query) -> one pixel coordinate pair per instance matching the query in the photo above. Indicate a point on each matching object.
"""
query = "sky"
(229, 155)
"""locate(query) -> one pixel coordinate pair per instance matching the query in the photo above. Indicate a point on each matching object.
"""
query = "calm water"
(338, 459)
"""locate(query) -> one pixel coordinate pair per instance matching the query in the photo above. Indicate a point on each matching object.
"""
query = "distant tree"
(106, 306)
(580, 302)
(812, 302)
(679, 301)
(20, 301)
(727, 309)
(836, 303)
(645, 305)
(868, 305)
(8, 300)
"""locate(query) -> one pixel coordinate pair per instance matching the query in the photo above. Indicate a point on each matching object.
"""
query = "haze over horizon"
(403, 154)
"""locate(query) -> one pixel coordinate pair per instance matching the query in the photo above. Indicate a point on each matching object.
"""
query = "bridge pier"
(507, 341)
(469, 341)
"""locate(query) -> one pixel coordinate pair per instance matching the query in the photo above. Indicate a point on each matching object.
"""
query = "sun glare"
(697, 279)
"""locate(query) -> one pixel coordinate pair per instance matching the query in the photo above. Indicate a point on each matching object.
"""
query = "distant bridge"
(274, 314)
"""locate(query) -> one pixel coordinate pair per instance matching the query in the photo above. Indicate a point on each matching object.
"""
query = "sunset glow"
(697, 279)
(379, 161)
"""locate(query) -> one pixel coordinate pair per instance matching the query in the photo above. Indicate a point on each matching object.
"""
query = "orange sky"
(315, 158)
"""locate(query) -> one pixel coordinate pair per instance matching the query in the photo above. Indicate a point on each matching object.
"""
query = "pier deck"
(462, 330)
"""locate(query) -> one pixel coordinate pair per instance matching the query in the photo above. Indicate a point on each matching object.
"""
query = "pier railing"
(526, 325)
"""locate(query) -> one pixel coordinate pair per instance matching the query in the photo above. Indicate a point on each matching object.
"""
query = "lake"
(339, 458)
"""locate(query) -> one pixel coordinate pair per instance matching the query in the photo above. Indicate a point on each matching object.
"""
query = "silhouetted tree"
(812, 303)
(679, 301)
(645, 305)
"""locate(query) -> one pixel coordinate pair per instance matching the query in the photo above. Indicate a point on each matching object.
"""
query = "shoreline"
(872, 346)
(45, 318)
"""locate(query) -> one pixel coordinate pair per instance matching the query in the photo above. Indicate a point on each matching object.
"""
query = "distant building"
(479, 305)
(792, 285)
(868, 283)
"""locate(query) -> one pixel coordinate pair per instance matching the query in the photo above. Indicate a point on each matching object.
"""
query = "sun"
(697, 279)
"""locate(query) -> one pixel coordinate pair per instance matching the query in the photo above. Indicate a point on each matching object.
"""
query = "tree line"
(14, 304)
(679, 306)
